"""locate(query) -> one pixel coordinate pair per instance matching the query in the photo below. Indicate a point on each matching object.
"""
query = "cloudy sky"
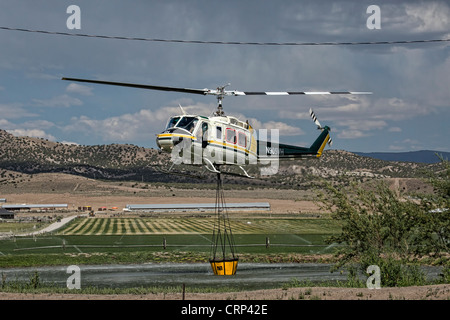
(408, 110)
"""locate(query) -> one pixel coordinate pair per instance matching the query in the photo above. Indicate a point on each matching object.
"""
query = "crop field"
(155, 226)
(108, 235)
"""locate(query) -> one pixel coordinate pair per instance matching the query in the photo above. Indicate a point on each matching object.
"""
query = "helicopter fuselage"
(213, 140)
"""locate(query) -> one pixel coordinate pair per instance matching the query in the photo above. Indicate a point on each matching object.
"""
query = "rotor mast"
(220, 93)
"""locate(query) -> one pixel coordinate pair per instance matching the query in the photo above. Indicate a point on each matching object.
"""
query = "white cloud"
(374, 108)
(395, 129)
(64, 101)
(430, 16)
(188, 105)
(70, 143)
(36, 133)
(123, 128)
(397, 109)
(32, 124)
(406, 144)
(362, 125)
(359, 117)
(14, 111)
(37, 124)
(352, 134)
(41, 76)
(79, 89)
(396, 148)
(284, 128)
(5, 124)
(141, 125)
(32, 128)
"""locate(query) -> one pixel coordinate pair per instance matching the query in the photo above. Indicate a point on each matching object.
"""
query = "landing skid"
(216, 169)
(211, 167)
(179, 173)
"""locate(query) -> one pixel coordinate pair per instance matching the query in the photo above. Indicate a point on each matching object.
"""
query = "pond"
(249, 276)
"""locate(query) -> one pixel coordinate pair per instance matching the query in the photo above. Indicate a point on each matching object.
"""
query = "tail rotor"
(313, 116)
(319, 126)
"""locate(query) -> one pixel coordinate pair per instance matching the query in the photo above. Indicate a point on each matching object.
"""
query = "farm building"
(5, 214)
(190, 207)
(17, 207)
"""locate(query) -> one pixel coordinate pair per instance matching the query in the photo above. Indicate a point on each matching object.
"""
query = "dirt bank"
(432, 292)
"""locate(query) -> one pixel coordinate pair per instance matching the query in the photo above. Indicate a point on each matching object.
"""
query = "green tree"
(374, 223)
(433, 236)
(379, 227)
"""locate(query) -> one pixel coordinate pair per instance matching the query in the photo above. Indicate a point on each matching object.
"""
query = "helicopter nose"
(165, 142)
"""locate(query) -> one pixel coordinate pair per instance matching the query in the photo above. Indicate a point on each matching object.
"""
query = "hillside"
(422, 156)
(115, 161)
(133, 163)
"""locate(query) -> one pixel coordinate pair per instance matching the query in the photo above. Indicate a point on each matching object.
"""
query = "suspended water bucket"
(226, 267)
(223, 260)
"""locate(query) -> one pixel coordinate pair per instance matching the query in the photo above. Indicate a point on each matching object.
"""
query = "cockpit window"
(172, 122)
(187, 123)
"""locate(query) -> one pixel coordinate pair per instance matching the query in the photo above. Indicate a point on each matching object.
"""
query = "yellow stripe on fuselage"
(231, 146)
(163, 135)
(227, 145)
(319, 153)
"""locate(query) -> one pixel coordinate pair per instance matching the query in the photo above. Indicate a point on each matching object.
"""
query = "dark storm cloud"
(408, 81)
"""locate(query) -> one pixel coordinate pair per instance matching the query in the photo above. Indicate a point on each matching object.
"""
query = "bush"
(395, 272)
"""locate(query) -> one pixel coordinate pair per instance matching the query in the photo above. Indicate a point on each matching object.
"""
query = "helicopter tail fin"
(318, 145)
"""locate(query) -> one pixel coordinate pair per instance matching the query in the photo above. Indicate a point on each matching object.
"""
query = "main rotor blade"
(141, 86)
(287, 93)
(217, 92)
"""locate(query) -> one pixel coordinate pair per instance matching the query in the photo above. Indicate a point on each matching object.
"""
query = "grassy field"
(16, 227)
(100, 239)
(179, 226)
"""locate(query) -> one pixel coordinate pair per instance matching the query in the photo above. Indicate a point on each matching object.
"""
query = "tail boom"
(268, 150)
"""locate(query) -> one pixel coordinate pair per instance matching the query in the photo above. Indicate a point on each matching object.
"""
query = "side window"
(205, 131)
(204, 134)
(231, 136)
(242, 139)
(199, 133)
(219, 133)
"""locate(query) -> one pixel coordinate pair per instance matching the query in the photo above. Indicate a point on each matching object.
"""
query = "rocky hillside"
(115, 161)
(342, 163)
(421, 156)
(130, 162)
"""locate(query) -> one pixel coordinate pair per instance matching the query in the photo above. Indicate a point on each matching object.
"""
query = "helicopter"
(219, 139)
